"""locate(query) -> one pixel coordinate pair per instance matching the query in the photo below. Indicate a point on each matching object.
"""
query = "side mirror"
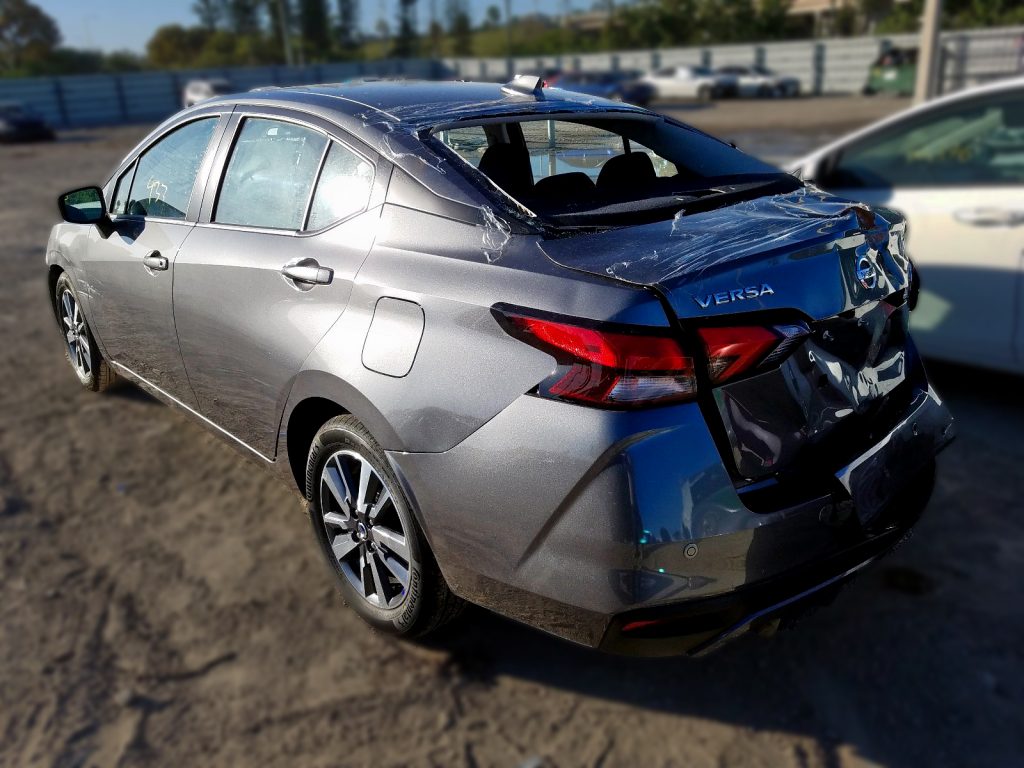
(85, 206)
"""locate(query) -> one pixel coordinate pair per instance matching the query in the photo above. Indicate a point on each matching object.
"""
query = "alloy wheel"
(364, 530)
(76, 335)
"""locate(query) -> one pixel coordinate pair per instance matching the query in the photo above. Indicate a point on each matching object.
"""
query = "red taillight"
(731, 351)
(610, 368)
(603, 365)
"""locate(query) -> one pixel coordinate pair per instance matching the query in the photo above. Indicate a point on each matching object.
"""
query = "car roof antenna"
(524, 85)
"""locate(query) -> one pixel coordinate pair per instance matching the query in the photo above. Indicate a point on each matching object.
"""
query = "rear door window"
(270, 175)
(166, 173)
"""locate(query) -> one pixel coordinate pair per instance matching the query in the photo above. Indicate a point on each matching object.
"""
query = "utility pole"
(929, 56)
(432, 31)
(508, 38)
(286, 31)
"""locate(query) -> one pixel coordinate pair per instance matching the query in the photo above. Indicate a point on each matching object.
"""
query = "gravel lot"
(163, 602)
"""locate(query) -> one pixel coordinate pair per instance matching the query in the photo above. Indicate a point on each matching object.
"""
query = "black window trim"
(241, 114)
(133, 167)
(151, 141)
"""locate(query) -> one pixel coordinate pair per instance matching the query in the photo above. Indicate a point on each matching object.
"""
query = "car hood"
(797, 251)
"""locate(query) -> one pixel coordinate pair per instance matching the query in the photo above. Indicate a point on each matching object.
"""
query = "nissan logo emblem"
(867, 273)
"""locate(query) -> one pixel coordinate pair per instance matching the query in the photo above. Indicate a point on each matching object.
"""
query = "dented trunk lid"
(796, 251)
(835, 268)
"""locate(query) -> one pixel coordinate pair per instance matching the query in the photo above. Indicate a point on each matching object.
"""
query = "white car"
(762, 82)
(955, 167)
(684, 82)
(200, 90)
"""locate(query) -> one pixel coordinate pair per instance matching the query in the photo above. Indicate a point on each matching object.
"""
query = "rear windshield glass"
(582, 169)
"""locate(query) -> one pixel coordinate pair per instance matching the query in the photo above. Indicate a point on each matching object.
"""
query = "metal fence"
(828, 66)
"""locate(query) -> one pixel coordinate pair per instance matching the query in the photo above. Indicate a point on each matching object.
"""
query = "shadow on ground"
(914, 663)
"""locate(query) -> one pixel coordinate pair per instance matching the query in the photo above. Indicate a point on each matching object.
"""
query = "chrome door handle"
(155, 261)
(309, 272)
(989, 217)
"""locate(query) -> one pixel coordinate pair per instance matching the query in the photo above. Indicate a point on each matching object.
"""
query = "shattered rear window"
(469, 143)
(584, 170)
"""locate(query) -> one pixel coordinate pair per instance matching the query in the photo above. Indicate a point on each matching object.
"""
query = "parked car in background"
(762, 82)
(19, 122)
(200, 90)
(645, 412)
(955, 167)
(893, 72)
(619, 85)
(688, 82)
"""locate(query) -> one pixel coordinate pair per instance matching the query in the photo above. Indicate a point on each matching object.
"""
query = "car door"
(128, 275)
(957, 172)
(269, 268)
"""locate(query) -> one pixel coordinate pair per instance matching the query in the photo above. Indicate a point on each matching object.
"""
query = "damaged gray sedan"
(560, 357)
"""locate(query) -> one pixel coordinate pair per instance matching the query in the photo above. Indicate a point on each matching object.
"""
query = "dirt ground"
(163, 603)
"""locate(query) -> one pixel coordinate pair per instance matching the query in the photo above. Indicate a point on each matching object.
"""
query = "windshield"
(595, 170)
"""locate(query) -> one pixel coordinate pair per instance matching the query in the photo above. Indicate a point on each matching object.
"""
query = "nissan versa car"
(557, 356)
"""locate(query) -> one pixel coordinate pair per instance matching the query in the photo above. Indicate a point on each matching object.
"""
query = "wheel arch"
(53, 275)
(315, 398)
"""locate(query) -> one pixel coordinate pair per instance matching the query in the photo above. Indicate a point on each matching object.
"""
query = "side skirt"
(171, 400)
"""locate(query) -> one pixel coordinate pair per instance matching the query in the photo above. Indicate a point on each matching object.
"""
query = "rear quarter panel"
(466, 368)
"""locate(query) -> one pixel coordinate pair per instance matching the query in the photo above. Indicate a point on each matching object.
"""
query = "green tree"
(462, 35)
(173, 46)
(726, 21)
(773, 20)
(28, 36)
(243, 16)
(457, 16)
(348, 24)
(492, 19)
(123, 61)
(404, 44)
(315, 30)
(209, 12)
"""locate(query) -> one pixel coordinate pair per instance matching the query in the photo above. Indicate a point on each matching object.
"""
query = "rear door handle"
(155, 261)
(989, 217)
(308, 271)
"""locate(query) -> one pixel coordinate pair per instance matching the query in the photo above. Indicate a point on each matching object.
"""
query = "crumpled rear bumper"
(581, 522)
(903, 453)
(699, 626)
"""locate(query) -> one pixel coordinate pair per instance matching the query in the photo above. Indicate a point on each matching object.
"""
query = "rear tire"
(704, 93)
(80, 347)
(364, 525)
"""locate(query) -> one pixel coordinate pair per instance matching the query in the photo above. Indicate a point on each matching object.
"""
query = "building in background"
(828, 18)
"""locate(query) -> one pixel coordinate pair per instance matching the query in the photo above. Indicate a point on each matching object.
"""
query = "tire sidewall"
(332, 438)
(64, 285)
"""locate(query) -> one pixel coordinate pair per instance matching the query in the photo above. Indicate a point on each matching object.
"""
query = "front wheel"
(80, 346)
(363, 523)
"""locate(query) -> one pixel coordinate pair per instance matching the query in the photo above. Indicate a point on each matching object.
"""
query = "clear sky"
(112, 25)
